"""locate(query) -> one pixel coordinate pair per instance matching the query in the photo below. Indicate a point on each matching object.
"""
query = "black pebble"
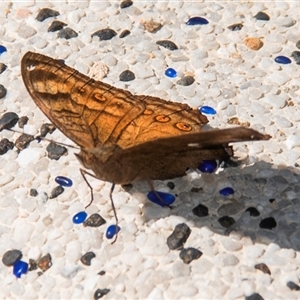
(23, 141)
(262, 16)
(56, 151)
(94, 220)
(56, 192)
(296, 57)
(32, 265)
(45, 262)
(8, 120)
(5, 145)
(253, 211)
(100, 293)
(178, 237)
(263, 267)
(200, 211)
(124, 33)
(87, 258)
(293, 286)
(167, 44)
(268, 223)
(298, 44)
(126, 75)
(33, 192)
(236, 27)
(186, 80)
(171, 185)
(105, 34)
(22, 121)
(126, 3)
(226, 221)
(67, 33)
(56, 25)
(101, 273)
(11, 256)
(47, 128)
(46, 13)
(189, 254)
(254, 296)
(3, 67)
(3, 91)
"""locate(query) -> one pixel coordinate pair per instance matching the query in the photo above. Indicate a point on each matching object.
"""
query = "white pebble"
(293, 141)
(277, 101)
(30, 155)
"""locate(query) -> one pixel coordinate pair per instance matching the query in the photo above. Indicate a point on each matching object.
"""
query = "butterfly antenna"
(150, 183)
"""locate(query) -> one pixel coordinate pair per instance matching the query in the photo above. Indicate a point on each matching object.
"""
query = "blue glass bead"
(171, 73)
(79, 217)
(2, 49)
(227, 191)
(111, 231)
(282, 60)
(167, 198)
(63, 181)
(38, 138)
(196, 21)
(207, 110)
(208, 166)
(19, 268)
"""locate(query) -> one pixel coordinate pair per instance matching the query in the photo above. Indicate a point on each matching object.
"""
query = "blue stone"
(207, 110)
(2, 49)
(19, 268)
(170, 72)
(196, 21)
(282, 60)
(168, 199)
(79, 217)
(208, 166)
(38, 138)
(227, 191)
(63, 181)
(111, 231)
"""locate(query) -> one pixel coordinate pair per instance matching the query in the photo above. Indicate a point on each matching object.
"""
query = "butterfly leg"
(150, 183)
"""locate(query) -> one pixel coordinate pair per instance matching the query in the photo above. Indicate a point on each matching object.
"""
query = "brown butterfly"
(123, 137)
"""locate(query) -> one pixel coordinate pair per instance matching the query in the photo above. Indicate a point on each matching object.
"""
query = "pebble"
(207, 110)
(171, 185)
(45, 13)
(112, 231)
(208, 166)
(33, 192)
(293, 286)
(189, 254)
(254, 296)
(178, 237)
(152, 26)
(263, 267)
(253, 211)
(226, 191)
(11, 256)
(167, 44)
(186, 81)
(94, 220)
(3, 91)
(55, 151)
(63, 181)
(253, 43)
(56, 192)
(126, 75)
(47, 128)
(22, 121)
(231, 208)
(262, 16)
(26, 32)
(56, 25)
(285, 21)
(298, 44)
(164, 199)
(296, 56)
(67, 33)
(282, 60)
(235, 27)
(124, 33)
(8, 120)
(87, 258)
(197, 21)
(5, 146)
(226, 221)
(32, 265)
(23, 141)
(268, 223)
(45, 262)
(104, 34)
(2, 49)
(19, 268)
(126, 3)
(170, 72)
(200, 211)
(3, 67)
(100, 293)
(79, 217)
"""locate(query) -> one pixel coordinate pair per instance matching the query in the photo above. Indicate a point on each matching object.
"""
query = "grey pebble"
(56, 192)
(23, 121)
(56, 151)
(235, 27)
(11, 256)
(262, 16)
(293, 286)
(45, 13)
(186, 80)
(167, 44)
(126, 3)
(94, 220)
(3, 91)
(33, 192)
(56, 25)
(23, 141)
(178, 237)
(8, 120)
(5, 145)
(226, 221)
(189, 254)
(87, 258)
(296, 57)
(126, 75)
(230, 208)
(298, 44)
(254, 296)
(171, 185)
(105, 34)
(67, 33)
